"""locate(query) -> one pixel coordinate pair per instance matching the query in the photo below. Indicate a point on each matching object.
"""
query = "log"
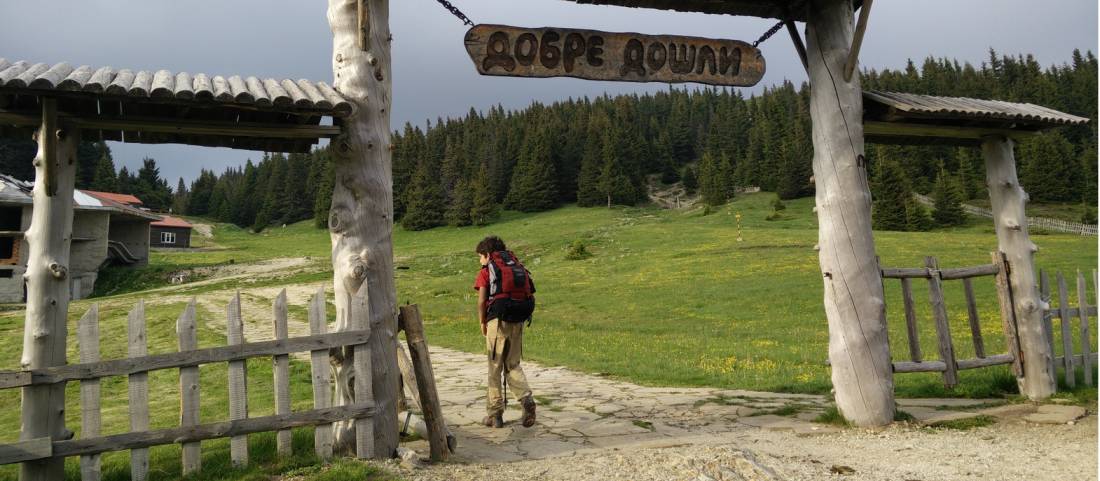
(1008, 315)
(943, 330)
(319, 369)
(972, 316)
(123, 367)
(189, 127)
(29, 450)
(857, 40)
(1083, 313)
(425, 377)
(362, 386)
(858, 346)
(187, 331)
(45, 329)
(223, 429)
(962, 364)
(409, 376)
(910, 320)
(139, 391)
(238, 381)
(361, 216)
(87, 334)
(1007, 200)
(282, 374)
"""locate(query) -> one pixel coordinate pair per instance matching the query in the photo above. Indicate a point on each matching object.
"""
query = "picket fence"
(1045, 223)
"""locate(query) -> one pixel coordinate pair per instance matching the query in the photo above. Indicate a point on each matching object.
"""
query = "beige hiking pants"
(504, 344)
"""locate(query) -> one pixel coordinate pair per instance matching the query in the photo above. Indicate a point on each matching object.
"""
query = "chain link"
(763, 38)
(456, 12)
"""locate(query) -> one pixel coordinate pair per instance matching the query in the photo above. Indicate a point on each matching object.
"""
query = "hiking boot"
(494, 421)
(528, 412)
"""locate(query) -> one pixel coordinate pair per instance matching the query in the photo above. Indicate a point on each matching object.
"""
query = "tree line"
(610, 150)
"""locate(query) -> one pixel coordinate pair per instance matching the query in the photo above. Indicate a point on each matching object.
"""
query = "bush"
(707, 210)
(774, 215)
(578, 250)
(1089, 216)
(778, 205)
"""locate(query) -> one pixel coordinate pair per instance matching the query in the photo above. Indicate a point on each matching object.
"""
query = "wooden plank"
(596, 55)
(796, 39)
(222, 429)
(29, 450)
(993, 360)
(1008, 313)
(911, 320)
(968, 272)
(187, 332)
(139, 392)
(363, 377)
(1067, 332)
(1083, 313)
(975, 322)
(123, 367)
(319, 369)
(1047, 321)
(238, 381)
(1077, 358)
(87, 333)
(874, 128)
(857, 40)
(189, 127)
(962, 364)
(925, 366)
(282, 374)
(904, 273)
(422, 365)
(943, 330)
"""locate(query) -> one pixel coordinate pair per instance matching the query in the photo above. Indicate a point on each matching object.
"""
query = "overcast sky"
(434, 77)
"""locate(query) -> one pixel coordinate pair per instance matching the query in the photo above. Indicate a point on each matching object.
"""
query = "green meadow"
(667, 297)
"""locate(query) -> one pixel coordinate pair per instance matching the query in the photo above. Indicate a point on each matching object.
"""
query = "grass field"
(667, 298)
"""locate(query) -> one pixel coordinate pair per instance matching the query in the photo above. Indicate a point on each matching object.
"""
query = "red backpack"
(511, 289)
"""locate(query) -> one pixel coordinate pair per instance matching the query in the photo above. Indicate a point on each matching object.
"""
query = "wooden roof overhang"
(912, 119)
(171, 107)
(795, 10)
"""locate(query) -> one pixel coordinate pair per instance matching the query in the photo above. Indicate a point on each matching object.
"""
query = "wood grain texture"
(596, 55)
(422, 365)
(911, 331)
(87, 333)
(1007, 199)
(238, 381)
(859, 350)
(139, 391)
(29, 450)
(319, 370)
(1083, 314)
(1008, 314)
(282, 374)
(1047, 317)
(45, 322)
(362, 384)
(361, 216)
(1067, 332)
(943, 330)
(187, 333)
(972, 316)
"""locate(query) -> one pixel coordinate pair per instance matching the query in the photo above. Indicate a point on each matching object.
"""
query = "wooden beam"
(123, 367)
(798, 45)
(188, 127)
(425, 377)
(908, 129)
(857, 40)
(30, 450)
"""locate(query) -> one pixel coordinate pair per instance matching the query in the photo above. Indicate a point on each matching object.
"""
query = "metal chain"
(763, 38)
(456, 12)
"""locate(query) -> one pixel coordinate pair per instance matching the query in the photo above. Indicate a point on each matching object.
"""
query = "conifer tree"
(892, 196)
(712, 180)
(484, 209)
(615, 185)
(179, 198)
(970, 180)
(1047, 164)
(534, 187)
(105, 179)
(947, 201)
(322, 202)
(462, 204)
(424, 202)
(689, 180)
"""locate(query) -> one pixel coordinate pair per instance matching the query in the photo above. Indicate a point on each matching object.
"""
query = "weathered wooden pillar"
(44, 331)
(859, 351)
(361, 219)
(1007, 199)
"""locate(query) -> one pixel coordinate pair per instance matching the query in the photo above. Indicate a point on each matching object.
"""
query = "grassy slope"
(669, 298)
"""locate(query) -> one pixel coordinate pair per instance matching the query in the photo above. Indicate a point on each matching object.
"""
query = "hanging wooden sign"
(594, 55)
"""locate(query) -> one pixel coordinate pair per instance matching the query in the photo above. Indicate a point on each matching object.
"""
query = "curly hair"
(490, 245)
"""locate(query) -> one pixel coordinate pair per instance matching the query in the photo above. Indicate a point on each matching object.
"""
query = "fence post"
(283, 438)
(1008, 314)
(238, 381)
(1067, 332)
(910, 320)
(87, 333)
(318, 363)
(139, 392)
(1083, 310)
(975, 322)
(943, 330)
(360, 320)
(186, 330)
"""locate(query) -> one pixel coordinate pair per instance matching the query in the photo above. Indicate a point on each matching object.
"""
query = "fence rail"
(1065, 313)
(1045, 223)
(137, 366)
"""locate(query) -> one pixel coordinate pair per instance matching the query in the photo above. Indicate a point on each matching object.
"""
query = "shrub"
(778, 205)
(707, 210)
(577, 250)
(774, 215)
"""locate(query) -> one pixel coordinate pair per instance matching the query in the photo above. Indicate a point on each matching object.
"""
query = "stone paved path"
(582, 415)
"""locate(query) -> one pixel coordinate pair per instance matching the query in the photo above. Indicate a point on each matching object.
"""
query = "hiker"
(505, 302)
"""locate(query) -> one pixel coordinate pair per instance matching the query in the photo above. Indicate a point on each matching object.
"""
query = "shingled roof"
(781, 9)
(162, 106)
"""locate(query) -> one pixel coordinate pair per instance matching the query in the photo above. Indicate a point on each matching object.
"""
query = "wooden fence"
(948, 364)
(1045, 223)
(1065, 313)
(136, 367)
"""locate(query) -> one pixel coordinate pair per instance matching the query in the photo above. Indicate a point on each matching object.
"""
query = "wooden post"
(87, 333)
(1083, 313)
(422, 365)
(187, 330)
(238, 381)
(1008, 315)
(1007, 200)
(943, 330)
(362, 385)
(361, 217)
(1067, 332)
(910, 320)
(975, 321)
(859, 351)
(47, 280)
(318, 364)
(282, 374)
(139, 391)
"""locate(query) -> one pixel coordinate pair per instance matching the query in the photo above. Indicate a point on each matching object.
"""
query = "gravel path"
(591, 427)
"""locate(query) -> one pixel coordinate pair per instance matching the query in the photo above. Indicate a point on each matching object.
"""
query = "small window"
(11, 219)
(5, 273)
(167, 237)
